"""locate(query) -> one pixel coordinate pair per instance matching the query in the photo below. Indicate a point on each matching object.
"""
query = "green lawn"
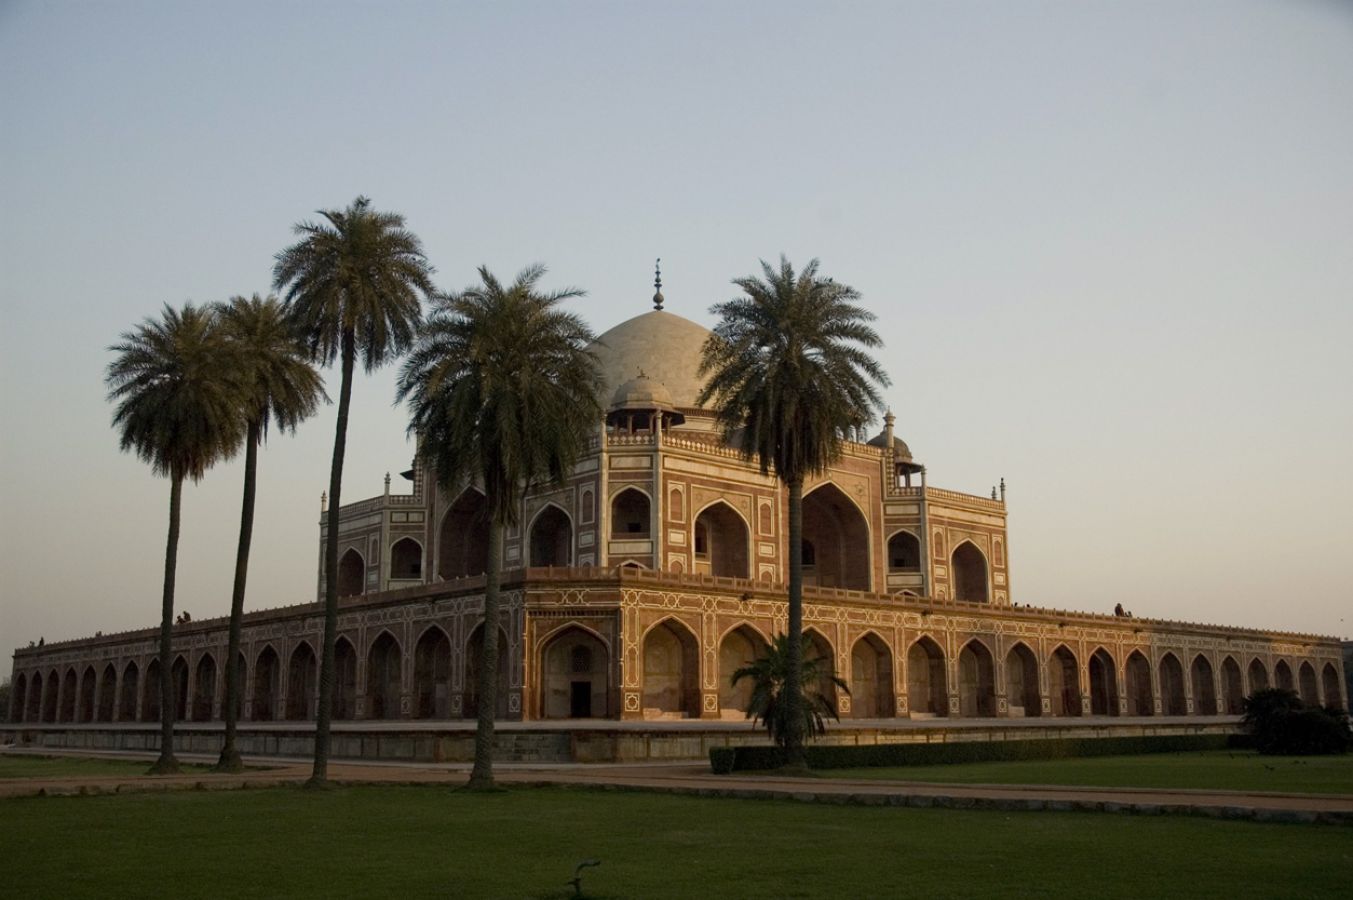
(1220, 769)
(70, 766)
(436, 842)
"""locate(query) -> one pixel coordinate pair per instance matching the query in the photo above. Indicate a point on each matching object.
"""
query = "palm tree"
(285, 389)
(502, 390)
(353, 286)
(790, 379)
(178, 393)
(768, 704)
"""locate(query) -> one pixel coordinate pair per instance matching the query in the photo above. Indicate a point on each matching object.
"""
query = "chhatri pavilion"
(633, 591)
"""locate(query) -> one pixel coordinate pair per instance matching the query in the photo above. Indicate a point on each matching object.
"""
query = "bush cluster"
(1280, 724)
(732, 759)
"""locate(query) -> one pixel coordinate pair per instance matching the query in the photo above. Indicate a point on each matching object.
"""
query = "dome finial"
(657, 283)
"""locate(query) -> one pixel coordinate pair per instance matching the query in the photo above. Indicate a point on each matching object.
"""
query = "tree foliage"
(1282, 725)
(770, 676)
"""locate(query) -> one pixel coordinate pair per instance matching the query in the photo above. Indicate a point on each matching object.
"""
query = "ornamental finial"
(657, 283)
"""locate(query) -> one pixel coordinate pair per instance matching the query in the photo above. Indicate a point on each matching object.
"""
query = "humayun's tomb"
(635, 590)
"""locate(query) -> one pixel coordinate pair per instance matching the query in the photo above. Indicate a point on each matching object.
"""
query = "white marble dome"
(663, 346)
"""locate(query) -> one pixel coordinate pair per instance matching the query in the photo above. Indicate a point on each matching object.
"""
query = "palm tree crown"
(178, 385)
(502, 388)
(359, 273)
(769, 704)
(283, 385)
(787, 370)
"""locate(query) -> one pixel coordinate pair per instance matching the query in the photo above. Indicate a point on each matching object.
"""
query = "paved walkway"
(696, 779)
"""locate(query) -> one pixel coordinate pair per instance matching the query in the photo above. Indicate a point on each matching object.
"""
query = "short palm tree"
(769, 704)
(788, 373)
(178, 393)
(353, 285)
(283, 389)
(503, 391)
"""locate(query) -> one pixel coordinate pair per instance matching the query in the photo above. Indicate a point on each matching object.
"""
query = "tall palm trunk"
(230, 755)
(481, 777)
(320, 775)
(794, 674)
(167, 764)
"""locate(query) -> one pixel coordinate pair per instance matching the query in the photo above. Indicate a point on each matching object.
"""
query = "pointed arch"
(1232, 687)
(1021, 681)
(406, 559)
(976, 680)
(474, 648)
(204, 689)
(463, 537)
(302, 681)
(267, 684)
(551, 537)
(345, 679)
(127, 701)
(1103, 671)
(904, 551)
(432, 674)
(671, 666)
(1137, 674)
(575, 664)
(69, 688)
(150, 692)
(351, 574)
(927, 687)
(631, 514)
(1064, 691)
(384, 662)
(722, 541)
(46, 694)
(971, 575)
(1306, 684)
(84, 711)
(32, 711)
(1173, 701)
(18, 701)
(740, 646)
(1258, 675)
(1204, 686)
(1282, 676)
(1329, 678)
(871, 678)
(838, 531)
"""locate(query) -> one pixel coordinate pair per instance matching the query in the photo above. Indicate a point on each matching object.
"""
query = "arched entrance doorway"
(977, 681)
(927, 688)
(1103, 684)
(1172, 698)
(969, 567)
(820, 651)
(739, 648)
(150, 693)
(351, 574)
(839, 536)
(1021, 682)
(345, 680)
(267, 685)
(1138, 677)
(871, 679)
(432, 675)
(406, 560)
(127, 702)
(107, 694)
(1064, 683)
(1282, 676)
(33, 702)
(463, 541)
(1258, 675)
(552, 538)
(69, 687)
(302, 681)
(671, 667)
(721, 539)
(204, 688)
(630, 515)
(575, 681)
(1330, 680)
(1232, 686)
(383, 682)
(1204, 687)
(85, 713)
(474, 648)
(18, 704)
(1310, 693)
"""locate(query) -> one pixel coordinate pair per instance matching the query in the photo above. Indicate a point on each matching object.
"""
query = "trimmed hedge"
(753, 759)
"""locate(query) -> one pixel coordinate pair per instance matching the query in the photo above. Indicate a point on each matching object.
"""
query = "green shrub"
(1280, 724)
(750, 759)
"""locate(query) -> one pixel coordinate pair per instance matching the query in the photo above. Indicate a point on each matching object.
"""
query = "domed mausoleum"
(635, 590)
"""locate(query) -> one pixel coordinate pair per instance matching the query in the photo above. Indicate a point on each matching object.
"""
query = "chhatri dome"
(663, 347)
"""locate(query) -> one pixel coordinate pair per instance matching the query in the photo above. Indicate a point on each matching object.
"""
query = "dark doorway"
(580, 700)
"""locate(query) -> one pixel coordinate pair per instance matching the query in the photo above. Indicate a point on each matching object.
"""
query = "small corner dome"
(642, 392)
(900, 448)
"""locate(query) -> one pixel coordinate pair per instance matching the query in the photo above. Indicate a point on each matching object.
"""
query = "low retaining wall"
(594, 742)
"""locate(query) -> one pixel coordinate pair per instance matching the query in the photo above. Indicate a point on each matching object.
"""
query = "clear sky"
(1110, 246)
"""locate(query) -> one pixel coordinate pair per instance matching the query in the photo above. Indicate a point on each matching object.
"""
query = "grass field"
(436, 842)
(69, 766)
(1219, 770)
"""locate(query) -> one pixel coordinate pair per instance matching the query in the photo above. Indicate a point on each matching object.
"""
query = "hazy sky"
(1110, 246)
